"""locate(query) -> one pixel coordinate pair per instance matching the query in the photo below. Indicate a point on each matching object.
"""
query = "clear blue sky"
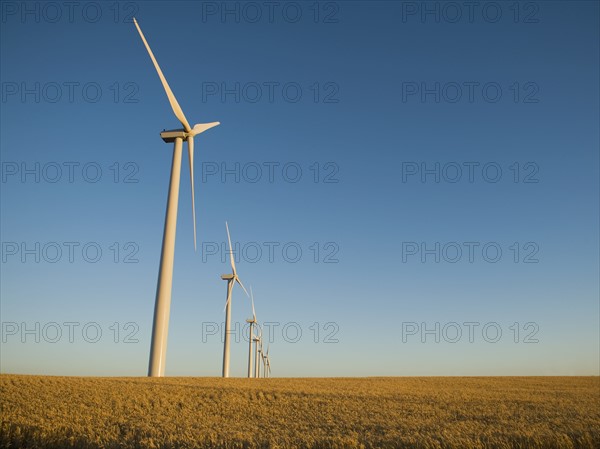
(390, 97)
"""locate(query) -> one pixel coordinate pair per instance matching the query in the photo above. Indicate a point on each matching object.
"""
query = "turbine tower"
(259, 358)
(267, 363)
(162, 306)
(252, 322)
(231, 280)
(264, 364)
(256, 340)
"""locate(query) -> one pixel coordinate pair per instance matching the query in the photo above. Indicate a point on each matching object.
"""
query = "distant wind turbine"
(264, 363)
(252, 322)
(231, 280)
(256, 340)
(259, 358)
(267, 363)
(162, 306)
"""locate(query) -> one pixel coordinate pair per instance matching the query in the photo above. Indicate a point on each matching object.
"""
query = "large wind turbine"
(162, 306)
(252, 322)
(231, 280)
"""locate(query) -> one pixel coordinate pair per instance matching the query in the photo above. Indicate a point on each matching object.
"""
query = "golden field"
(427, 412)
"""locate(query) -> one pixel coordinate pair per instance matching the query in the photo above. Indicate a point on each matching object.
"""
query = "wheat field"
(429, 412)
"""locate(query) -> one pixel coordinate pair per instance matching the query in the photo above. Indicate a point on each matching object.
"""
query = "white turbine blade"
(201, 127)
(231, 252)
(190, 141)
(174, 104)
(237, 279)
(229, 289)
(252, 297)
(226, 302)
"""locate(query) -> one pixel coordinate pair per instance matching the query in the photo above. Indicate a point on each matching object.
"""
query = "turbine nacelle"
(169, 135)
(228, 277)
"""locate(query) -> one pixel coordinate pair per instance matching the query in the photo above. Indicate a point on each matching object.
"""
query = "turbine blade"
(174, 104)
(237, 279)
(229, 289)
(252, 297)
(190, 141)
(231, 252)
(201, 127)
(259, 327)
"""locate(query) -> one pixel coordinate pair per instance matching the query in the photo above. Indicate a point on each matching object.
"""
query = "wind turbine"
(267, 363)
(231, 280)
(256, 340)
(162, 306)
(264, 363)
(259, 358)
(252, 322)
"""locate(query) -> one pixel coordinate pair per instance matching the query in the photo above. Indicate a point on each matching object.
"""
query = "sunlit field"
(442, 412)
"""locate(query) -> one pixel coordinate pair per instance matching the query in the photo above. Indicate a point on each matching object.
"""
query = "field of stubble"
(500, 412)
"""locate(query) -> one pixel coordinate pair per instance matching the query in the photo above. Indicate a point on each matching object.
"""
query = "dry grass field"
(500, 412)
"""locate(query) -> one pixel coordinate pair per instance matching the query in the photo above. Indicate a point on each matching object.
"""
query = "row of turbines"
(162, 306)
(261, 357)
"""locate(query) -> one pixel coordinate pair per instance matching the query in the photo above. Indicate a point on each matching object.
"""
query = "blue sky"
(358, 116)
